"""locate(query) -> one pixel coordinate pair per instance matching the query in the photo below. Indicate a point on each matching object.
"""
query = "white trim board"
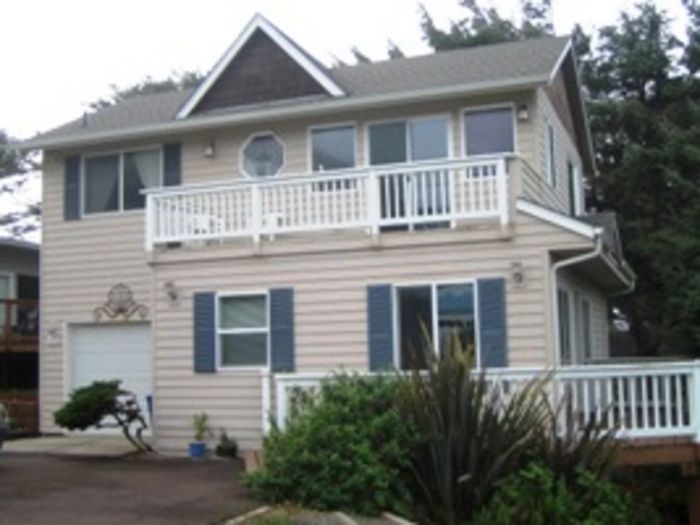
(259, 22)
(557, 219)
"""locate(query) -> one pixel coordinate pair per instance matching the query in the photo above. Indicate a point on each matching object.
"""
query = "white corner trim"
(259, 22)
(560, 60)
(557, 219)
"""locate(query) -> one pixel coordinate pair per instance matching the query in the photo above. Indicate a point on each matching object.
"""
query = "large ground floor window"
(430, 317)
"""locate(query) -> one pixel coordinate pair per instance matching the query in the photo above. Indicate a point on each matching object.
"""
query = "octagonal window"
(263, 156)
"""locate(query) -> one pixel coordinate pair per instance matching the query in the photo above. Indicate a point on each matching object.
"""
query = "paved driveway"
(38, 489)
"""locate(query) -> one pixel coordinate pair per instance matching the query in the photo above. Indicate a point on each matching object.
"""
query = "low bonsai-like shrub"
(104, 404)
(537, 496)
(227, 447)
(349, 450)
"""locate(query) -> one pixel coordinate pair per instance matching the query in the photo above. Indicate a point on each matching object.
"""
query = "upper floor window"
(551, 156)
(263, 155)
(408, 140)
(333, 148)
(114, 182)
(489, 131)
(243, 331)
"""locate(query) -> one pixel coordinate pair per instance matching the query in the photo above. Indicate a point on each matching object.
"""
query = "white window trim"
(563, 289)
(321, 127)
(586, 331)
(486, 107)
(120, 198)
(241, 158)
(407, 119)
(434, 312)
(223, 331)
(550, 153)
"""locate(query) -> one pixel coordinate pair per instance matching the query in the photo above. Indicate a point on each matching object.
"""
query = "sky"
(57, 57)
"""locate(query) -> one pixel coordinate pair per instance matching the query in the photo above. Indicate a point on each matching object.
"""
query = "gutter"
(275, 113)
(597, 251)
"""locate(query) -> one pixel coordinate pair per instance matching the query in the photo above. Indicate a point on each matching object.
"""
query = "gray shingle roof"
(507, 64)
(484, 64)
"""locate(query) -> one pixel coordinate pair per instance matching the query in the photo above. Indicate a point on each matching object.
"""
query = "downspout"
(597, 251)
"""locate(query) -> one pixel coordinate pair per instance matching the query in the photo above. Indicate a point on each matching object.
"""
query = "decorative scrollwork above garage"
(120, 305)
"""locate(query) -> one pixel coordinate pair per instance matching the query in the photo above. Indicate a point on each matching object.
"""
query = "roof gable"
(262, 65)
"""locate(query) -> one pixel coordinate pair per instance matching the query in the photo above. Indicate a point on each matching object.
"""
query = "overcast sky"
(57, 56)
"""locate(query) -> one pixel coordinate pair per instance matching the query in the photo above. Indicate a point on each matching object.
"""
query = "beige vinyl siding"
(81, 261)
(225, 164)
(330, 287)
(556, 197)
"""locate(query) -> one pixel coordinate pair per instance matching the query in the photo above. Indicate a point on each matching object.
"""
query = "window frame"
(564, 292)
(586, 329)
(220, 367)
(486, 107)
(433, 285)
(332, 125)
(407, 119)
(120, 179)
(241, 156)
(550, 153)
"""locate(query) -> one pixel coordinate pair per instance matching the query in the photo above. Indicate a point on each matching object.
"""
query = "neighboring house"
(19, 331)
(298, 219)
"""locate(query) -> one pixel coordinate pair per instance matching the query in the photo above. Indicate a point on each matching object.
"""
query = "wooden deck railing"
(19, 325)
(369, 199)
(641, 400)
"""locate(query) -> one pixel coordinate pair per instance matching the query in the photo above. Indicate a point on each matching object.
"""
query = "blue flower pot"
(198, 449)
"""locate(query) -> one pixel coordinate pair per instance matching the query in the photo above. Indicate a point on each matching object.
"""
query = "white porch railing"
(636, 400)
(370, 199)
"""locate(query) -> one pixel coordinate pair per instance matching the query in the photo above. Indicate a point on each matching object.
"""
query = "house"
(19, 331)
(212, 247)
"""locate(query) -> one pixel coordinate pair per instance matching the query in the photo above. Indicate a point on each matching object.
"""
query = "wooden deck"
(19, 331)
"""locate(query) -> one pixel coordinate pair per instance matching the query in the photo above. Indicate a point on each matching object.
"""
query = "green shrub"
(475, 436)
(227, 447)
(104, 404)
(348, 451)
(536, 496)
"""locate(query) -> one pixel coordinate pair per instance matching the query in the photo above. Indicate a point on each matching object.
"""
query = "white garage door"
(106, 352)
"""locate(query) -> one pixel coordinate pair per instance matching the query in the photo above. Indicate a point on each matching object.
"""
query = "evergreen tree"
(175, 82)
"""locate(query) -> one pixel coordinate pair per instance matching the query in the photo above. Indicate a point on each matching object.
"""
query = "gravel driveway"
(54, 490)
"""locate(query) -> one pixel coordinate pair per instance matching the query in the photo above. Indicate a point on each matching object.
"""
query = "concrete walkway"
(73, 445)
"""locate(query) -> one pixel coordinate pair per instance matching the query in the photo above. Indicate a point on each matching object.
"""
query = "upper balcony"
(371, 199)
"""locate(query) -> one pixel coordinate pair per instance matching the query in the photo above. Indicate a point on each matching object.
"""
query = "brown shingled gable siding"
(260, 72)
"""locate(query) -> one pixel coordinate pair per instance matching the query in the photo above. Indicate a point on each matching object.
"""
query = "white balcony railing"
(369, 199)
(646, 400)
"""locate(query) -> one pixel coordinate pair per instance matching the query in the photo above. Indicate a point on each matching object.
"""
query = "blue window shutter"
(172, 164)
(282, 329)
(205, 332)
(492, 323)
(380, 329)
(71, 189)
